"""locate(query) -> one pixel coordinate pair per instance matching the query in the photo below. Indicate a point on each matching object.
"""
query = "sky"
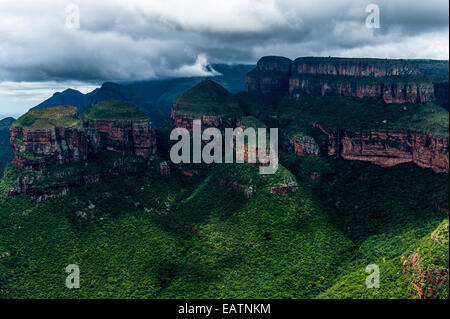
(50, 45)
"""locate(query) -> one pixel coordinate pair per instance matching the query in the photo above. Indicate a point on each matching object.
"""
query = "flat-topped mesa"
(58, 135)
(271, 75)
(48, 136)
(358, 67)
(121, 127)
(394, 81)
(209, 102)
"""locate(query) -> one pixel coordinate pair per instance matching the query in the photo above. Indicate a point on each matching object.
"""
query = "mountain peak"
(207, 98)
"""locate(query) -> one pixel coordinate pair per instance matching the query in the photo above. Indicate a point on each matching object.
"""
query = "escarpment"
(389, 148)
(127, 137)
(48, 137)
(58, 135)
(394, 81)
(37, 149)
(271, 75)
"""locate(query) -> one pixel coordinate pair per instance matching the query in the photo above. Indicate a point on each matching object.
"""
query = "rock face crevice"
(183, 120)
(36, 149)
(126, 137)
(394, 81)
(386, 148)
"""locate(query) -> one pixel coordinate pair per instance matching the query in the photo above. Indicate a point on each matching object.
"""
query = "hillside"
(207, 98)
(186, 245)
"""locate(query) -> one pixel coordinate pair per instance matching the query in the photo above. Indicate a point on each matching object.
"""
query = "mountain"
(153, 97)
(5, 148)
(362, 180)
(67, 97)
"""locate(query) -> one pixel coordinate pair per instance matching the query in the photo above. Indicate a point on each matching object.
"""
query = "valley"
(362, 179)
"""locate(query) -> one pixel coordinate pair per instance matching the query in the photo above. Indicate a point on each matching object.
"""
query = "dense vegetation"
(298, 114)
(48, 118)
(145, 235)
(114, 110)
(208, 98)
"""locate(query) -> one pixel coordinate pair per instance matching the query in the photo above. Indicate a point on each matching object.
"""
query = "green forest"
(153, 236)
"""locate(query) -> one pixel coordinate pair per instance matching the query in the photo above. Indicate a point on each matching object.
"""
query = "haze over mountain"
(153, 97)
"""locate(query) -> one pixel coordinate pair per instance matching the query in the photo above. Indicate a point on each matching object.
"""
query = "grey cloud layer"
(123, 40)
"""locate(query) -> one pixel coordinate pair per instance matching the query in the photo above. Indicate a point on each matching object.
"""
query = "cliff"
(127, 137)
(394, 81)
(271, 75)
(388, 148)
(389, 89)
(426, 268)
(37, 149)
(57, 135)
(303, 145)
(47, 137)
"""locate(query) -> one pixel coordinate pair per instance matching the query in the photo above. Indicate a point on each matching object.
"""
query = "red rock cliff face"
(304, 145)
(182, 120)
(389, 92)
(127, 137)
(37, 149)
(394, 81)
(391, 148)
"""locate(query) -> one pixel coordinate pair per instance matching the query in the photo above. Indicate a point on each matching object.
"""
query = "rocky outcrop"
(37, 149)
(387, 148)
(284, 189)
(394, 81)
(304, 145)
(427, 268)
(184, 120)
(270, 75)
(127, 137)
(390, 92)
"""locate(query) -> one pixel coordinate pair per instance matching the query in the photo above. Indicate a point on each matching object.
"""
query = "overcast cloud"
(135, 40)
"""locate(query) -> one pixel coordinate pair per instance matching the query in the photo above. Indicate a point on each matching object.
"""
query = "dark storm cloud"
(125, 40)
